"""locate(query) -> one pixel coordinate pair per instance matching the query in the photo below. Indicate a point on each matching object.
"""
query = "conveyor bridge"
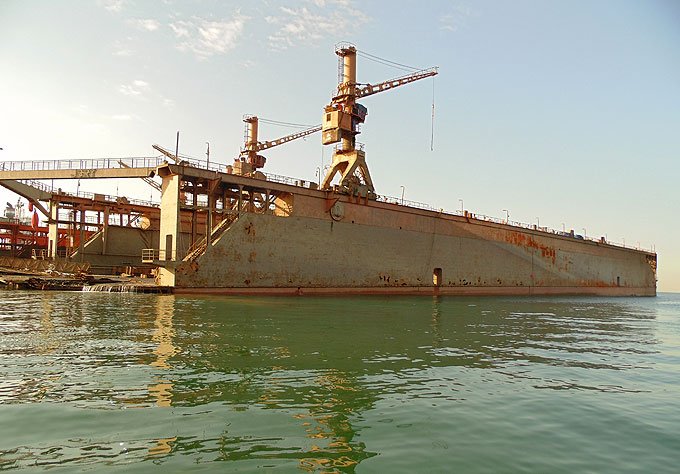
(132, 167)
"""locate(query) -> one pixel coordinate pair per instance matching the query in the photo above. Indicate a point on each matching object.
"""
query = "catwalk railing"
(153, 162)
(90, 163)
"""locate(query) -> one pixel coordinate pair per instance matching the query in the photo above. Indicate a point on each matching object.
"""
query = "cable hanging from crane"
(407, 68)
(284, 124)
(432, 124)
(387, 62)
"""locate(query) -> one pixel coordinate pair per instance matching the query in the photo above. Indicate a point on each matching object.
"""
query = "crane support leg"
(354, 175)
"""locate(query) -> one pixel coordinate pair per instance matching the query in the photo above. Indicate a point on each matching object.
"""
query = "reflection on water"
(326, 384)
(161, 390)
(163, 333)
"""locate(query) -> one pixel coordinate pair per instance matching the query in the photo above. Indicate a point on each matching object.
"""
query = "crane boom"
(165, 152)
(280, 141)
(147, 180)
(370, 89)
(249, 160)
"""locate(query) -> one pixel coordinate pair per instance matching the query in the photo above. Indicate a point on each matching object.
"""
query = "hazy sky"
(567, 112)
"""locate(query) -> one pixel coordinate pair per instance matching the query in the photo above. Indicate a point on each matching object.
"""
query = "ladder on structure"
(200, 246)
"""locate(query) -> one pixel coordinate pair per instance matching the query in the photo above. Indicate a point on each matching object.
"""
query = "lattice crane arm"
(249, 152)
(280, 141)
(370, 89)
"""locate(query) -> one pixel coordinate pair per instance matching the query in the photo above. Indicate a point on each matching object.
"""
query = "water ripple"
(338, 384)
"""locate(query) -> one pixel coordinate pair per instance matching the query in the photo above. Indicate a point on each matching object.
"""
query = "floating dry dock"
(235, 229)
(273, 235)
(278, 238)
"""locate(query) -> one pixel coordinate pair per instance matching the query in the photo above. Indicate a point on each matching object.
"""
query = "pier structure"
(107, 231)
(198, 202)
(219, 231)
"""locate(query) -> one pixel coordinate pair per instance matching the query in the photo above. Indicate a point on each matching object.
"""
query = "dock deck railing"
(154, 162)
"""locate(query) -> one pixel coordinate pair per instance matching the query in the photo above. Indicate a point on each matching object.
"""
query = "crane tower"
(342, 120)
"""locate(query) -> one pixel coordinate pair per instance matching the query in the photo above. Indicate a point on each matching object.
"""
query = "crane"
(343, 117)
(249, 160)
(147, 180)
(167, 153)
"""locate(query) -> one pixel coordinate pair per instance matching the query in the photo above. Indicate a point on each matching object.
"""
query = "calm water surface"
(476, 385)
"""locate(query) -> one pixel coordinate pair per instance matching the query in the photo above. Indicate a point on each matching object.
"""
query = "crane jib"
(287, 138)
(370, 89)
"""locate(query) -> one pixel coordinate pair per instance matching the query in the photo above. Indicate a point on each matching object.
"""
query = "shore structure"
(233, 229)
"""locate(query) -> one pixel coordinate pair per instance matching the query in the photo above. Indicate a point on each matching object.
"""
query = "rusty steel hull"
(414, 291)
(335, 244)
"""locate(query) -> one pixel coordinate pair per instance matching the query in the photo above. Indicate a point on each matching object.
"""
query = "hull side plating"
(379, 248)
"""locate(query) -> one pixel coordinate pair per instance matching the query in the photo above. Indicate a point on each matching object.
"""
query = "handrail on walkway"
(154, 162)
(89, 163)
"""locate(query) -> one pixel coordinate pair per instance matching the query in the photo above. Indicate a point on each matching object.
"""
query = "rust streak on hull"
(328, 243)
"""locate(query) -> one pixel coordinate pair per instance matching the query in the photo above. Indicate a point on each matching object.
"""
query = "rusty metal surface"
(62, 266)
(382, 248)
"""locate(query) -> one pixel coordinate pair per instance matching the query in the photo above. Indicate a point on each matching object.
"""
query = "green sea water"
(143, 383)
